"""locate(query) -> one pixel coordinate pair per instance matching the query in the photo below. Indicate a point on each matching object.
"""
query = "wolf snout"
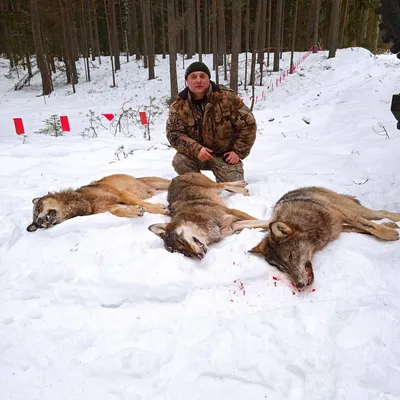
(300, 285)
(305, 278)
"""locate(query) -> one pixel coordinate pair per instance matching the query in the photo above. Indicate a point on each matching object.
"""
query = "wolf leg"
(258, 223)
(240, 214)
(126, 211)
(153, 208)
(205, 182)
(369, 214)
(348, 228)
(155, 182)
(378, 230)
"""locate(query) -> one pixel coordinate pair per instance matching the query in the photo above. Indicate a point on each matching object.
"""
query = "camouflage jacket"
(222, 123)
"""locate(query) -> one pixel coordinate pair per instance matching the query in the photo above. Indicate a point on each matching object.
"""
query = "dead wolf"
(307, 219)
(199, 216)
(121, 195)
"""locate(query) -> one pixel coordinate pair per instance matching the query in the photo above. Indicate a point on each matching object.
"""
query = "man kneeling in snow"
(210, 127)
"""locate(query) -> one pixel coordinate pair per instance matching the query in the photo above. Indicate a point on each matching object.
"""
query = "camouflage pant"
(223, 171)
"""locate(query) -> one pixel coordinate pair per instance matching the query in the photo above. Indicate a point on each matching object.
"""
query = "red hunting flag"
(110, 117)
(19, 126)
(143, 118)
(64, 123)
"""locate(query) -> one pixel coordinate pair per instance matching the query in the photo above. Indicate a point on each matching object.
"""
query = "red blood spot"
(275, 278)
(313, 290)
(234, 263)
(275, 284)
(293, 293)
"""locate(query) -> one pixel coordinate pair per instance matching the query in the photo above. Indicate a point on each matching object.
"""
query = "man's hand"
(205, 154)
(231, 157)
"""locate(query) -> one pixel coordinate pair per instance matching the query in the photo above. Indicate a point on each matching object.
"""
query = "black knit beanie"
(197, 66)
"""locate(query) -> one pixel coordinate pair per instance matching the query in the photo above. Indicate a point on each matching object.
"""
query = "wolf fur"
(307, 219)
(121, 195)
(199, 216)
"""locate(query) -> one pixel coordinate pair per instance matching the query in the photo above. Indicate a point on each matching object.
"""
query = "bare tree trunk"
(135, 29)
(221, 32)
(296, 7)
(114, 33)
(363, 21)
(110, 43)
(269, 30)
(214, 39)
(90, 30)
(69, 58)
(344, 24)
(236, 41)
(172, 49)
(84, 23)
(96, 31)
(255, 44)
(247, 44)
(199, 43)
(278, 25)
(334, 28)
(261, 38)
(149, 38)
(47, 86)
(282, 27)
(163, 33)
(261, 32)
(189, 29)
(145, 44)
(316, 26)
(207, 24)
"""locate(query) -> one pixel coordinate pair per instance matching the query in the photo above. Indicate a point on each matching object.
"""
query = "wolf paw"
(389, 234)
(140, 211)
(165, 210)
(159, 209)
(246, 192)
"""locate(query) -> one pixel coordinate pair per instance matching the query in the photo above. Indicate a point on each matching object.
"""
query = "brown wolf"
(199, 216)
(307, 219)
(121, 195)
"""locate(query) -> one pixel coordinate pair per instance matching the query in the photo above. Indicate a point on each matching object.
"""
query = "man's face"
(198, 83)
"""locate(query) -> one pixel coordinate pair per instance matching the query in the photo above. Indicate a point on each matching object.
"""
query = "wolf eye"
(276, 265)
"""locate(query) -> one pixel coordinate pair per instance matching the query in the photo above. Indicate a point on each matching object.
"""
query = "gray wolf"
(307, 219)
(208, 121)
(198, 215)
(121, 195)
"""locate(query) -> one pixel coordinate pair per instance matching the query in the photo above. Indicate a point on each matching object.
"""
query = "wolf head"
(184, 239)
(47, 211)
(286, 249)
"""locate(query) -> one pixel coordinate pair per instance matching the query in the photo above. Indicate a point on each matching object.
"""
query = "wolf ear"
(261, 248)
(35, 200)
(158, 229)
(279, 230)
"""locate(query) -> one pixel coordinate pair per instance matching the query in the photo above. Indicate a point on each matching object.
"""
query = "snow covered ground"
(96, 308)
